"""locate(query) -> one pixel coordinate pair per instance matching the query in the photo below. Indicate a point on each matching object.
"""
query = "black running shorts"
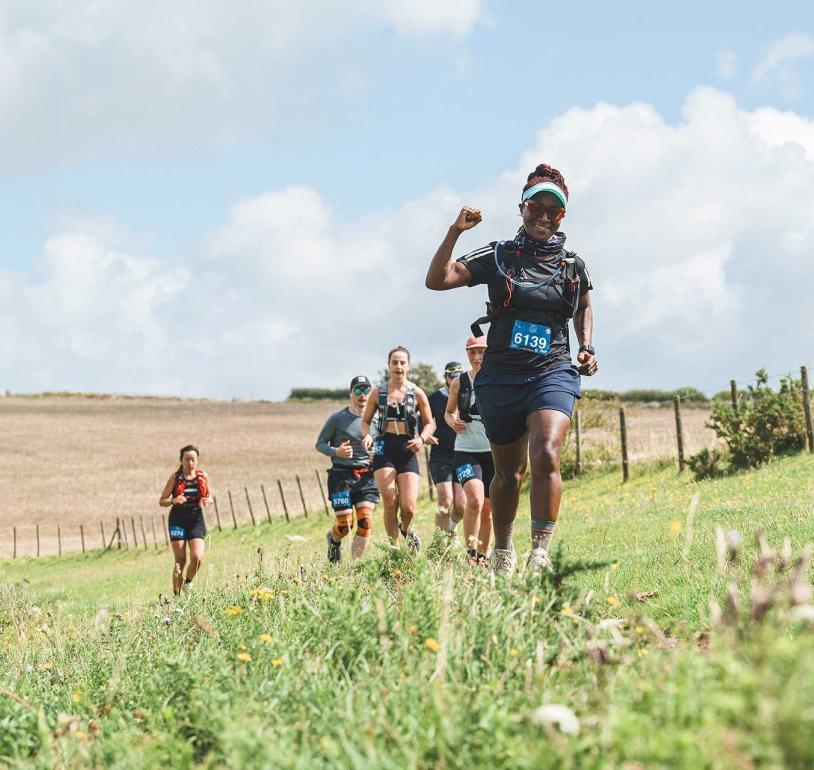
(442, 466)
(392, 452)
(348, 488)
(186, 523)
(474, 465)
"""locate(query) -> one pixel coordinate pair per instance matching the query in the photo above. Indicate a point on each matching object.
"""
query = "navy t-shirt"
(540, 306)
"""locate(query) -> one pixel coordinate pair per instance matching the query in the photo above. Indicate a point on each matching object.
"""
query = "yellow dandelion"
(266, 638)
(566, 610)
(643, 653)
(639, 630)
(675, 527)
(432, 644)
(77, 696)
(244, 657)
(277, 662)
(411, 629)
(46, 665)
(514, 652)
(614, 601)
(233, 610)
(615, 565)
(262, 594)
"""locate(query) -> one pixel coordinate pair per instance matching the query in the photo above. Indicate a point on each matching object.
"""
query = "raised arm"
(443, 273)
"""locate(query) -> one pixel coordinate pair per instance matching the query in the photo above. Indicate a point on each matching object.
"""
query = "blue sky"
(141, 134)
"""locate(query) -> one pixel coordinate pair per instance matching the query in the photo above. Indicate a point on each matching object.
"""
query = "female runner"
(395, 461)
(473, 464)
(527, 385)
(186, 491)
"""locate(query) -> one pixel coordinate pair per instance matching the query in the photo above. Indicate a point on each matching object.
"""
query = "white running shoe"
(538, 562)
(502, 562)
(413, 541)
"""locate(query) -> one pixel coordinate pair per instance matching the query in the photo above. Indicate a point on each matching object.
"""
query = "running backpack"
(408, 407)
(181, 485)
(465, 397)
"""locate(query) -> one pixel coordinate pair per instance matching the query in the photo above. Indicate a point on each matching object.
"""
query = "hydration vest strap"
(383, 408)
(410, 410)
(464, 397)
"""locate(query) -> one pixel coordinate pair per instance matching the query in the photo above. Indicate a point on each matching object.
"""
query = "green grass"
(403, 662)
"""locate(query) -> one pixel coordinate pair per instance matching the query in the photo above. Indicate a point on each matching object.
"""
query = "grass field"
(82, 460)
(277, 660)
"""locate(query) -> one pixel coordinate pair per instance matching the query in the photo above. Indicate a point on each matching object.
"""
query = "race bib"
(340, 500)
(177, 533)
(465, 472)
(532, 337)
(378, 447)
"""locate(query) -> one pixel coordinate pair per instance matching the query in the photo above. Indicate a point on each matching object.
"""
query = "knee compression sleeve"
(344, 521)
(363, 525)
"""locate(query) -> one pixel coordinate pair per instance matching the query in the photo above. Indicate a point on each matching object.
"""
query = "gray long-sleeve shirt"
(343, 426)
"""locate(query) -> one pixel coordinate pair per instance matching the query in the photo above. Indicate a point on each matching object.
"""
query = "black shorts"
(442, 466)
(505, 401)
(186, 523)
(348, 488)
(392, 452)
(475, 465)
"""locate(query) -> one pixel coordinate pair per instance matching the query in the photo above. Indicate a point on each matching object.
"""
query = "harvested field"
(84, 460)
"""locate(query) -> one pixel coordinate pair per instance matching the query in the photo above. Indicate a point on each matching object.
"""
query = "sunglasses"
(359, 391)
(536, 210)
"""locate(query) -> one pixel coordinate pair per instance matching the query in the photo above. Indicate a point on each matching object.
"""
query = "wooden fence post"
(302, 496)
(807, 408)
(578, 442)
(133, 527)
(102, 527)
(623, 433)
(217, 513)
(733, 394)
(14, 552)
(679, 432)
(322, 492)
(143, 533)
(121, 533)
(249, 503)
(38, 541)
(232, 508)
(112, 538)
(266, 502)
(431, 486)
(165, 524)
(59, 541)
(82, 535)
(152, 526)
(282, 497)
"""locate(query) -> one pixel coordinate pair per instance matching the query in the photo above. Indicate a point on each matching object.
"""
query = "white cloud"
(776, 64)
(81, 78)
(696, 234)
(726, 64)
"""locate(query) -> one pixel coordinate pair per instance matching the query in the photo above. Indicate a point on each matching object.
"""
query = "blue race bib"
(532, 337)
(340, 500)
(177, 533)
(378, 447)
(465, 472)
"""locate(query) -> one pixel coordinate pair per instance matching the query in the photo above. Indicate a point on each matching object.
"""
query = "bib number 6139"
(532, 337)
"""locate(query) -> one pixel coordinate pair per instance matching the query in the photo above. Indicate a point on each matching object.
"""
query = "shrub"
(764, 424)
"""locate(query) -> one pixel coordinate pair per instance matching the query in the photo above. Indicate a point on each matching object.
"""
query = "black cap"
(358, 380)
(453, 369)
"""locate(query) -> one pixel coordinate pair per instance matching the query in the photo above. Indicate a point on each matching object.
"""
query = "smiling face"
(399, 364)
(542, 215)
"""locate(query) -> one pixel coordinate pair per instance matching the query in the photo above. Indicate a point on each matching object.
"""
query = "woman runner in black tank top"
(185, 493)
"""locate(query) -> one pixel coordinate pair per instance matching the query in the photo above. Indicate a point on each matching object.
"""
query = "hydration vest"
(407, 409)
(199, 482)
(465, 389)
(566, 273)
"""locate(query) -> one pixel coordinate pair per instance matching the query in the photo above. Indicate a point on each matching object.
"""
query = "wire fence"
(277, 502)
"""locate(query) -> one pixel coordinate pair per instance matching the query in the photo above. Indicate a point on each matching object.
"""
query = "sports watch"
(588, 349)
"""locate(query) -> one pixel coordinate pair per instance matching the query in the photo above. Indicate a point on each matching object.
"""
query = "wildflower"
(514, 652)
(79, 735)
(638, 630)
(77, 696)
(266, 638)
(233, 610)
(615, 565)
(46, 665)
(277, 662)
(557, 715)
(411, 629)
(675, 527)
(432, 644)
(643, 652)
(244, 657)
(262, 594)
(614, 602)
(566, 610)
